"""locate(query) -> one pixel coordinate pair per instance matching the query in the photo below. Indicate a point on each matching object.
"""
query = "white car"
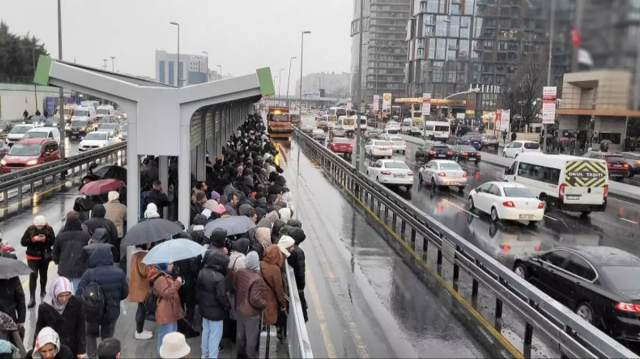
(391, 172)
(17, 133)
(506, 201)
(443, 173)
(516, 148)
(111, 128)
(397, 144)
(378, 148)
(95, 140)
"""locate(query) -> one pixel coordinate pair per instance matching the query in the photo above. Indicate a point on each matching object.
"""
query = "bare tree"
(523, 91)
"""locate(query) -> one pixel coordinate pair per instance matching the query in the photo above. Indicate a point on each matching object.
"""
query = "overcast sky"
(240, 35)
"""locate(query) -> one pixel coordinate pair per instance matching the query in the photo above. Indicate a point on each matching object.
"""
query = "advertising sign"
(376, 102)
(426, 104)
(386, 102)
(349, 104)
(505, 120)
(549, 94)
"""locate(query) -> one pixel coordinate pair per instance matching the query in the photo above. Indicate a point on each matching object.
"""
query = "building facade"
(192, 69)
(384, 47)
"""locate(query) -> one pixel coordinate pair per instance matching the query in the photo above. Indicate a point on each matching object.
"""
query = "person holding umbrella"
(39, 239)
(12, 301)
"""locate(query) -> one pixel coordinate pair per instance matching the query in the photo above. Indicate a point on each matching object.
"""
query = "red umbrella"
(99, 187)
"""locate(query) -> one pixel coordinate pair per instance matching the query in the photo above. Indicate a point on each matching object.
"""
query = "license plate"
(526, 216)
(442, 155)
(617, 165)
(398, 175)
(573, 196)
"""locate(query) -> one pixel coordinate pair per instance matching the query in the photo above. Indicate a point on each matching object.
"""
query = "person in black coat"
(12, 301)
(211, 296)
(115, 288)
(158, 197)
(64, 313)
(98, 221)
(188, 269)
(38, 238)
(297, 261)
(67, 251)
(196, 231)
(100, 239)
(48, 346)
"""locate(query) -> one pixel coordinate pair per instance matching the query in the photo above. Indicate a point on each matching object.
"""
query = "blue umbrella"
(173, 250)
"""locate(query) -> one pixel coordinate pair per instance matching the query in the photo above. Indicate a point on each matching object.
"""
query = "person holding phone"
(38, 238)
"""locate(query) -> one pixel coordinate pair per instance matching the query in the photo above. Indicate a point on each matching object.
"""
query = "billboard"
(549, 94)
(426, 104)
(376, 102)
(386, 102)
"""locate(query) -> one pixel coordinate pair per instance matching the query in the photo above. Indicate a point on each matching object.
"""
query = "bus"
(278, 122)
(334, 113)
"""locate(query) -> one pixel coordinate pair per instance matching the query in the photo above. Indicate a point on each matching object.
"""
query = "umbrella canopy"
(606, 142)
(10, 268)
(173, 250)
(149, 231)
(111, 171)
(234, 225)
(99, 187)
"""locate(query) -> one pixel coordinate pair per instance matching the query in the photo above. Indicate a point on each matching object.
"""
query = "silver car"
(443, 173)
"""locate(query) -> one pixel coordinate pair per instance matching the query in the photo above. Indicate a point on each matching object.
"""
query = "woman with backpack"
(168, 310)
(64, 313)
(139, 289)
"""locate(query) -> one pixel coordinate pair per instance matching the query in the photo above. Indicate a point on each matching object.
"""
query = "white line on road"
(630, 221)
(551, 218)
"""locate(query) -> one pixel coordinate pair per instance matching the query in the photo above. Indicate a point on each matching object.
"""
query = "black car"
(466, 153)
(429, 152)
(599, 283)
(474, 140)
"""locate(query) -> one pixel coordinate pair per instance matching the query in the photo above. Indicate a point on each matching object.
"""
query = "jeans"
(40, 266)
(211, 335)
(104, 331)
(164, 329)
(75, 282)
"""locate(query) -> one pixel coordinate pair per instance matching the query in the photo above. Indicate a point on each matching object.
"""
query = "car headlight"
(3, 162)
(32, 162)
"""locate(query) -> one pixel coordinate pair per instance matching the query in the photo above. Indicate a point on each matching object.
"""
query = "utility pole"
(289, 80)
(61, 124)
(551, 30)
(358, 160)
(301, 66)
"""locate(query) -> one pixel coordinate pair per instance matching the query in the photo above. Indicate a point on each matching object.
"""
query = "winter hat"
(252, 261)
(40, 221)
(174, 346)
(284, 243)
(210, 205)
(246, 210)
(113, 195)
(200, 220)
(46, 336)
(263, 235)
(285, 214)
(218, 237)
(272, 216)
(220, 209)
(298, 235)
(151, 212)
(215, 195)
(206, 213)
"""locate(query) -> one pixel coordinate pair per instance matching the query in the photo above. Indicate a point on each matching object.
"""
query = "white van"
(105, 111)
(571, 183)
(83, 113)
(437, 130)
(406, 125)
(43, 132)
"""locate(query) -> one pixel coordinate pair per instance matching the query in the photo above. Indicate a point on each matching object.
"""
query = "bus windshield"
(278, 118)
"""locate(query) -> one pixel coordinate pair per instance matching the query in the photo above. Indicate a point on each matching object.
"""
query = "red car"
(341, 145)
(30, 152)
(616, 164)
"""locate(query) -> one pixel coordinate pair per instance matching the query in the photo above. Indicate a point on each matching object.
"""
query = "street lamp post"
(178, 55)
(220, 67)
(289, 79)
(113, 66)
(280, 83)
(61, 123)
(301, 65)
(33, 63)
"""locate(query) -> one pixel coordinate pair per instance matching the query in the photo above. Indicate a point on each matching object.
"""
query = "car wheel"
(585, 311)
(520, 271)
(494, 215)
(504, 154)
(461, 189)
(533, 223)
(409, 187)
(470, 204)
(434, 186)
(420, 181)
(516, 156)
(585, 214)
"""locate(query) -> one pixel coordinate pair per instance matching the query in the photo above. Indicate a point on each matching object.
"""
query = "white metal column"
(184, 172)
(163, 171)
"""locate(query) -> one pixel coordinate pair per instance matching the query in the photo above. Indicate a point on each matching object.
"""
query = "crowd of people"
(236, 289)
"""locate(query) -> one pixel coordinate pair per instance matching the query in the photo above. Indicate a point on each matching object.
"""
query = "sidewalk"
(618, 190)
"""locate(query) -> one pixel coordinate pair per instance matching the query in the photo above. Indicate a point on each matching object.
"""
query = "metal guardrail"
(298, 337)
(14, 186)
(567, 333)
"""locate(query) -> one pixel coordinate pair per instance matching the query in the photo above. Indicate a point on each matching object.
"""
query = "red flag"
(575, 37)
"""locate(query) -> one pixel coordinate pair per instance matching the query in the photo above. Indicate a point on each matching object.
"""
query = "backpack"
(151, 300)
(94, 301)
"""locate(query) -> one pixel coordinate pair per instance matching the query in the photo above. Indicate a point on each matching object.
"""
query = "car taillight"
(477, 154)
(464, 174)
(627, 307)
(409, 173)
(449, 153)
(536, 248)
(464, 153)
(505, 248)
(563, 187)
(609, 164)
(606, 190)
(509, 204)
(386, 173)
(540, 205)
(625, 165)
(638, 162)
(442, 174)
(432, 152)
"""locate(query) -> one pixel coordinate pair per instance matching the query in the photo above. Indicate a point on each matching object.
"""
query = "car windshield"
(96, 136)
(81, 112)
(531, 145)
(102, 111)
(20, 129)
(396, 139)
(340, 140)
(475, 138)
(36, 134)
(78, 123)
(450, 167)
(25, 149)
(399, 165)
(623, 278)
(107, 126)
(468, 148)
(519, 192)
(439, 148)
(381, 143)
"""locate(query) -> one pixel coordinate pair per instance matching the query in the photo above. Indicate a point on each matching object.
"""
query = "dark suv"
(429, 152)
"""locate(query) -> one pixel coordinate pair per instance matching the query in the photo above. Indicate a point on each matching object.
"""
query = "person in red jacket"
(38, 238)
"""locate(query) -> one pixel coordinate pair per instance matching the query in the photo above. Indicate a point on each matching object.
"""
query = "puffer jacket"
(67, 249)
(270, 270)
(297, 258)
(35, 250)
(111, 280)
(169, 309)
(100, 240)
(250, 291)
(211, 287)
(98, 220)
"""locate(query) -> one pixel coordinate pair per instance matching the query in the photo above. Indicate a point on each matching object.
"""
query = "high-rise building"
(333, 84)
(195, 72)
(384, 52)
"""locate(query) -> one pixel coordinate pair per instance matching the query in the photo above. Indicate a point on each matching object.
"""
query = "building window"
(454, 26)
(161, 72)
(441, 25)
(432, 6)
(465, 26)
(441, 49)
(172, 69)
(432, 48)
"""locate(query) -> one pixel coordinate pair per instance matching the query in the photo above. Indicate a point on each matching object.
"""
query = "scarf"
(60, 285)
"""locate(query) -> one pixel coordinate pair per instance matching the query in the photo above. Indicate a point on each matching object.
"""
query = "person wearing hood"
(275, 230)
(113, 283)
(285, 214)
(139, 288)
(196, 231)
(211, 296)
(294, 223)
(210, 205)
(168, 310)
(100, 239)
(263, 235)
(270, 268)
(238, 251)
(297, 261)
(217, 240)
(67, 251)
(39, 239)
(151, 212)
(48, 346)
(116, 212)
(188, 270)
(98, 220)
(8, 350)
(249, 303)
(64, 313)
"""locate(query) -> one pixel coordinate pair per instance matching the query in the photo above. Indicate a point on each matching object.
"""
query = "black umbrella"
(111, 171)
(149, 231)
(234, 225)
(10, 268)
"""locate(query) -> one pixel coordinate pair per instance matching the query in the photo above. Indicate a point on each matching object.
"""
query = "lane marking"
(551, 218)
(630, 221)
(322, 321)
